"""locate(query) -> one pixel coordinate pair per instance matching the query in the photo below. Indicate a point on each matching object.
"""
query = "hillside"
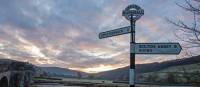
(117, 74)
(123, 73)
(7, 64)
(61, 72)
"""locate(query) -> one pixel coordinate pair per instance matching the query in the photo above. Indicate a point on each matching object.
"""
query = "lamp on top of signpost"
(133, 12)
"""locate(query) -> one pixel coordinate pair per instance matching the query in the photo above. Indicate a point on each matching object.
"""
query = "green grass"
(82, 82)
(87, 80)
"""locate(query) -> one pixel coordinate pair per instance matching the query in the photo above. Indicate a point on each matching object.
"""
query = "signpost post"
(133, 13)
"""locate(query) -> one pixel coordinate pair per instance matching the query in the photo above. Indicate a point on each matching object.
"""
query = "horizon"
(64, 33)
(93, 72)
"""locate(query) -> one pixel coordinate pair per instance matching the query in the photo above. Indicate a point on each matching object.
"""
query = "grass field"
(87, 80)
(92, 83)
(79, 82)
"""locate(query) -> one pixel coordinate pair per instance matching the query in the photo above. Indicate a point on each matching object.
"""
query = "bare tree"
(190, 33)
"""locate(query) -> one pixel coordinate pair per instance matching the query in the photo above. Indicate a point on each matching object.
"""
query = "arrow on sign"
(115, 32)
(156, 48)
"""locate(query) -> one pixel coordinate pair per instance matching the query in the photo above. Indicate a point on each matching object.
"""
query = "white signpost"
(115, 32)
(133, 13)
(156, 48)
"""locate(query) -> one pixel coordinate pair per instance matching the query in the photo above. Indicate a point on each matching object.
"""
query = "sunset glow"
(100, 68)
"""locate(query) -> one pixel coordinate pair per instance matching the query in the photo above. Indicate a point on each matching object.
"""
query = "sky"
(64, 33)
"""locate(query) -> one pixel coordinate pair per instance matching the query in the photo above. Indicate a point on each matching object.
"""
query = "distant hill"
(61, 72)
(123, 73)
(6, 64)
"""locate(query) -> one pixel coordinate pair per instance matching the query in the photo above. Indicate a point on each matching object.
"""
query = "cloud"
(64, 33)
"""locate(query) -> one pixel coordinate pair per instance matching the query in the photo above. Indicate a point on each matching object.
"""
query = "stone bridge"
(15, 74)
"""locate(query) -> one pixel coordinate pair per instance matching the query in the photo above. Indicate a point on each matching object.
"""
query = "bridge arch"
(4, 82)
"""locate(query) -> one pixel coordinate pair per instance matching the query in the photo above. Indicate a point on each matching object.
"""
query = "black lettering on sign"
(145, 50)
(147, 46)
(149, 50)
(164, 46)
(175, 46)
(141, 46)
(151, 46)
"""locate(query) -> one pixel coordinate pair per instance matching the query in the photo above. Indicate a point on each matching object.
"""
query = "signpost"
(133, 13)
(156, 48)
